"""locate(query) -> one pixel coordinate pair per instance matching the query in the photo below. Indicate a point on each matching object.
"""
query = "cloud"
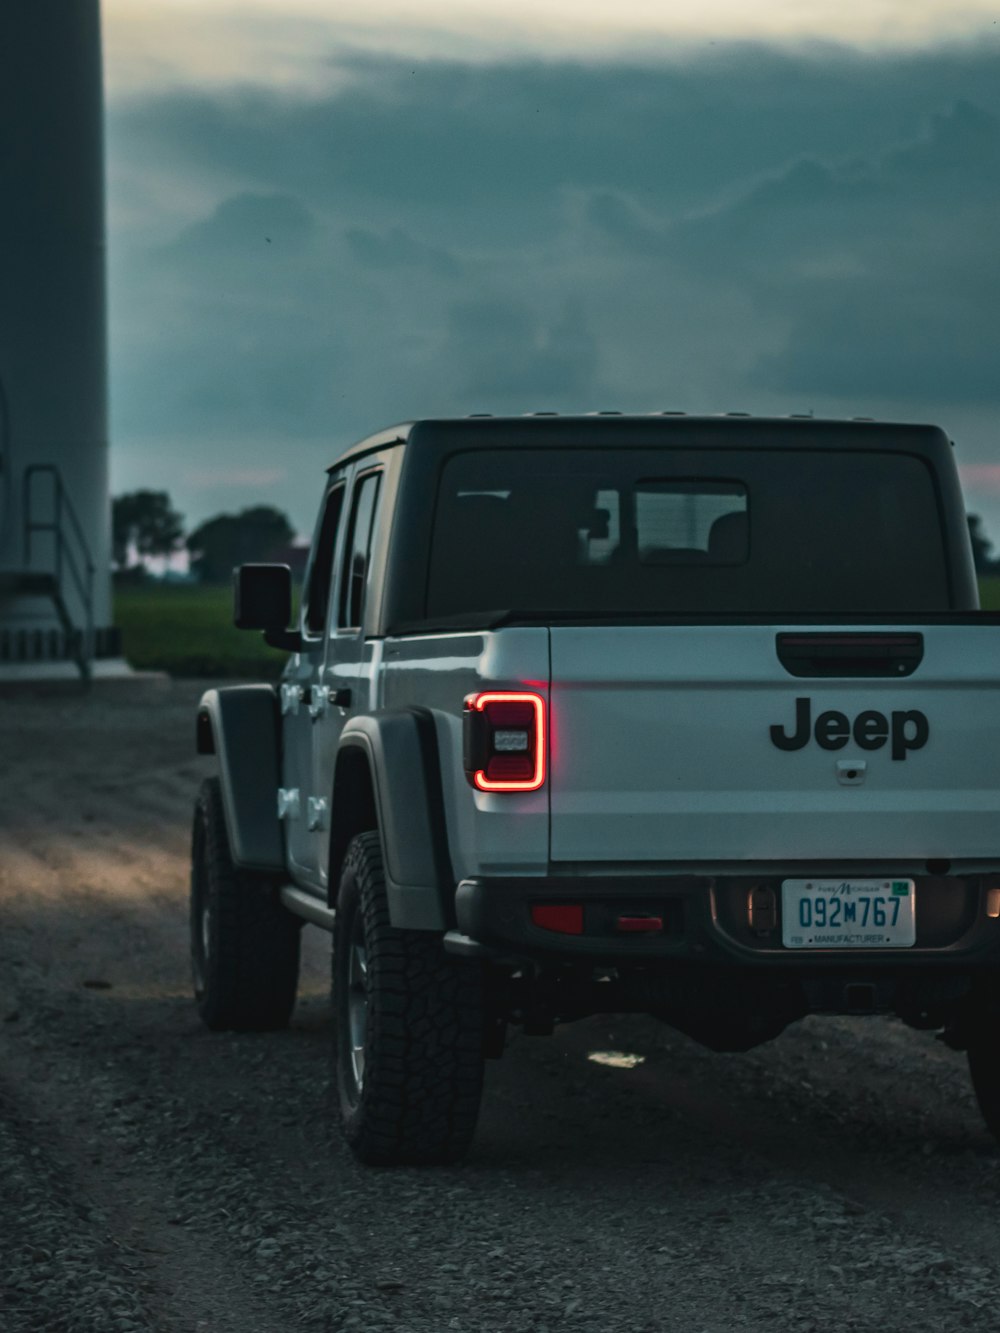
(505, 353)
(396, 248)
(959, 142)
(756, 230)
(623, 223)
(242, 225)
(907, 304)
(460, 140)
(289, 43)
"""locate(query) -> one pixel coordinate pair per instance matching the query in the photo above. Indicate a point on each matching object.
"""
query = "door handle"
(291, 697)
(319, 697)
(322, 697)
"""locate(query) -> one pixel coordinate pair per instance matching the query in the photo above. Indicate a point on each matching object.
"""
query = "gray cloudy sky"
(315, 238)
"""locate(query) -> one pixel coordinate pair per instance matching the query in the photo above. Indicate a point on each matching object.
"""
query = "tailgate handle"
(850, 654)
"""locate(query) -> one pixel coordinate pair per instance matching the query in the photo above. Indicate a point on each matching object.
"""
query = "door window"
(358, 551)
(317, 595)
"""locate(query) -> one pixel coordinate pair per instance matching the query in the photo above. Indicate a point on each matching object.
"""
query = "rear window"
(690, 522)
(657, 532)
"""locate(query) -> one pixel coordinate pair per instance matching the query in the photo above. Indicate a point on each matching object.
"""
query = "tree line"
(144, 525)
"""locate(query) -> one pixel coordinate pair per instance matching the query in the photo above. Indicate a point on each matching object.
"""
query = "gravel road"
(156, 1176)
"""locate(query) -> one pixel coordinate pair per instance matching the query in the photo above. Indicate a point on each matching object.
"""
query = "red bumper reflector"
(640, 925)
(566, 918)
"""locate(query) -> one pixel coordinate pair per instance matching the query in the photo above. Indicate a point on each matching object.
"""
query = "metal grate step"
(56, 645)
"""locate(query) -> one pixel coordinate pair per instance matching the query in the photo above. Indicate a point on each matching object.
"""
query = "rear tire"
(984, 1066)
(244, 944)
(409, 1025)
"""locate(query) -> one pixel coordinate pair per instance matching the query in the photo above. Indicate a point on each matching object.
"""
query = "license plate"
(848, 913)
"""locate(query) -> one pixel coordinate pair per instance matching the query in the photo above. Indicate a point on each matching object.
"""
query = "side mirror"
(262, 599)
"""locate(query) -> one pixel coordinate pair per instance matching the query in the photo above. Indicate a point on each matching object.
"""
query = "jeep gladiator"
(689, 716)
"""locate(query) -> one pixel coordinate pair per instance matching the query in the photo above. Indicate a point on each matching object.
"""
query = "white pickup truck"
(695, 717)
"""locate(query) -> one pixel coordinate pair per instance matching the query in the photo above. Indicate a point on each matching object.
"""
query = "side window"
(357, 551)
(317, 596)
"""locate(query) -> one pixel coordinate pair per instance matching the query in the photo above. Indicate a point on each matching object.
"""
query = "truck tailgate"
(662, 748)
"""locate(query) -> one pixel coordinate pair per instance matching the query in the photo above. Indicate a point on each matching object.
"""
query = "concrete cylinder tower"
(54, 511)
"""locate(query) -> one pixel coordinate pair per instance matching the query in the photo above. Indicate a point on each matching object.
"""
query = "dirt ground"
(156, 1176)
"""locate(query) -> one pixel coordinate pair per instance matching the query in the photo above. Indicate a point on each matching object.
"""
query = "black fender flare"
(241, 725)
(401, 750)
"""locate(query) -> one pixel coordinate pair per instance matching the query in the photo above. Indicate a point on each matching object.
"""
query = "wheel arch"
(240, 725)
(387, 778)
(354, 805)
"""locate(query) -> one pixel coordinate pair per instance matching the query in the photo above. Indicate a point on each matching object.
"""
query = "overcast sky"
(319, 227)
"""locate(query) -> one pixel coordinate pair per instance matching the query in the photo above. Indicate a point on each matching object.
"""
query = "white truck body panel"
(488, 834)
(661, 750)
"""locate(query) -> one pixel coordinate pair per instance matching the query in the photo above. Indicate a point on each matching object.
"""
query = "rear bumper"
(705, 919)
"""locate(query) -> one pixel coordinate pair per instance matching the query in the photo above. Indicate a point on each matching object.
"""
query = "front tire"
(244, 944)
(409, 1027)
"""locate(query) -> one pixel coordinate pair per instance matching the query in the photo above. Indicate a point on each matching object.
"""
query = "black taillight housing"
(504, 740)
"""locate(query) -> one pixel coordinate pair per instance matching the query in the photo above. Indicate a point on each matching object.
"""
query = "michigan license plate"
(848, 914)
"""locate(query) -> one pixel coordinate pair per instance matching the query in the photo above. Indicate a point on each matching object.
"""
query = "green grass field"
(188, 631)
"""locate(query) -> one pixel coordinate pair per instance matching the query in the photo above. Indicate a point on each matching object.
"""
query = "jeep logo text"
(904, 731)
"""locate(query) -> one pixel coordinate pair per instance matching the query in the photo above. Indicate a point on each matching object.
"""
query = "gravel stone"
(159, 1177)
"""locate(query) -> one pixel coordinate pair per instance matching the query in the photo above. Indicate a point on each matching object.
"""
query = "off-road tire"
(244, 943)
(423, 1035)
(984, 1066)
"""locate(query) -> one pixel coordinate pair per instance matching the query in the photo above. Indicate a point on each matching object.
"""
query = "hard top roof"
(616, 429)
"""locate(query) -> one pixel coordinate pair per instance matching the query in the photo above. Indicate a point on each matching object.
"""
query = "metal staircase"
(69, 570)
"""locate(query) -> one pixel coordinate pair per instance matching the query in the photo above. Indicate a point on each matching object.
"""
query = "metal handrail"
(64, 554)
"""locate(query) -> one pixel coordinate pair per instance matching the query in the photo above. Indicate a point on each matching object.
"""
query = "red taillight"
(505, 741)
(566, 918)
